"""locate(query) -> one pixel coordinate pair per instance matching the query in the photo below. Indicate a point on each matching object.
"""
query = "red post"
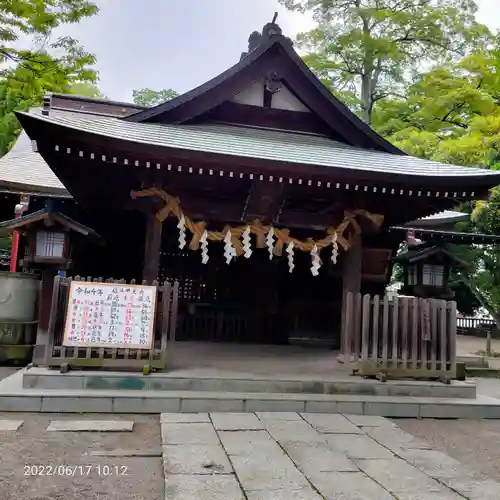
(15, 239)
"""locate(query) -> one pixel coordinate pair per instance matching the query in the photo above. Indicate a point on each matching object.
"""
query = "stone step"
(124, 401)
(42, 378)
(485, 372)
(473, 361)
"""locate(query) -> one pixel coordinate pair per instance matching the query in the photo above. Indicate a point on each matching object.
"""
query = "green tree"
(36, 18)
(151, 98)
(366, 49)
(451, 114)
(23, 87)
(85, 89)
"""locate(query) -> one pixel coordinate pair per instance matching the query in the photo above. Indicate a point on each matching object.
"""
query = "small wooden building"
(259, 191)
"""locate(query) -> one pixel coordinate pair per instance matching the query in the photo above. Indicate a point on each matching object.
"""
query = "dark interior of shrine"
(255, 300)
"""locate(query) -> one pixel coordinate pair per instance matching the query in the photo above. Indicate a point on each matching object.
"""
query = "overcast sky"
(181, 44)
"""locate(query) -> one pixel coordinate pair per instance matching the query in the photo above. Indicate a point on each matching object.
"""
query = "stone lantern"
(49, 235)
(426, 270)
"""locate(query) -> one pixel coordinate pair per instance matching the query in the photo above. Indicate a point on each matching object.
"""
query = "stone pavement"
(291, 456)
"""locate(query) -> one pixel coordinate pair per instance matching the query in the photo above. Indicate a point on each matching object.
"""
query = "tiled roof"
(262, 144)
(24, 170)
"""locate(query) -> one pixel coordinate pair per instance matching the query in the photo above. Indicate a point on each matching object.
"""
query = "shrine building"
(262, 194)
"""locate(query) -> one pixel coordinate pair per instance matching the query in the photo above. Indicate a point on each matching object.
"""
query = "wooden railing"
(477, 327)
(402, 337)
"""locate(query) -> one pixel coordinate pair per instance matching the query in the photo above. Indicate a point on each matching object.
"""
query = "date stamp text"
(75, 470)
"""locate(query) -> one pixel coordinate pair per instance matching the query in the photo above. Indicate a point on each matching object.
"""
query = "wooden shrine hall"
(258, 191)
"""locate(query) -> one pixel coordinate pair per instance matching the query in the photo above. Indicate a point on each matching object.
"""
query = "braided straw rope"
(172, 207)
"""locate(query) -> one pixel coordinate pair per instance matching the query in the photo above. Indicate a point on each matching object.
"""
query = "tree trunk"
(366, 99)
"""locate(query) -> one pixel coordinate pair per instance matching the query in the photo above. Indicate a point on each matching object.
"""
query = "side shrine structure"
(259, 192)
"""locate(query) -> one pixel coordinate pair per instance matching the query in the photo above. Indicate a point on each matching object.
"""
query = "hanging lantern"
(182, 232)
(247, 243)
(204, 247)
(270, 242)
(229, 250)
(289, 250)
(316, 263)
(335, 250)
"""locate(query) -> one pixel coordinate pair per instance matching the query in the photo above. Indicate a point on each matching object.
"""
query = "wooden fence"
(477, 327)
(58, 355)
(403, 337)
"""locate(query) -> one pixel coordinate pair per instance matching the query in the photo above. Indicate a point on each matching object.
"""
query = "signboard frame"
(67, 323)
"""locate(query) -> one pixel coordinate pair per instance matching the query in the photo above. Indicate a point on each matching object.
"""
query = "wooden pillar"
(154, 231)
(351, 278)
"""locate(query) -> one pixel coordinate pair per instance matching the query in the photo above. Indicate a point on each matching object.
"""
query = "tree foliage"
(367, 49)
(150, 98)
(370, 53)
(36, 18)
(55, 66)
(451, 114)
(22, 87)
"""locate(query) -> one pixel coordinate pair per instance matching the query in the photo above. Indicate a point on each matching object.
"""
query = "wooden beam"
(263, 202)
(152, 251)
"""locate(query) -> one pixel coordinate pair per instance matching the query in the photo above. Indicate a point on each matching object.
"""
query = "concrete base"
(15, 398)
(203, 381)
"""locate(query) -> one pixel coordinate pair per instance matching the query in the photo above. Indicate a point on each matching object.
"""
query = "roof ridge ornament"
(257, 38)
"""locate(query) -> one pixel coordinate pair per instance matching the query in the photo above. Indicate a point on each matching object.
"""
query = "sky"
(181, 44)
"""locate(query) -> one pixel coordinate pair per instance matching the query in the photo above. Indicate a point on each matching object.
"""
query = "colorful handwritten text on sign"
(110, 315)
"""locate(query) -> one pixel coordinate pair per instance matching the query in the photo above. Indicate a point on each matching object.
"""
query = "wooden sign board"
(110, 315)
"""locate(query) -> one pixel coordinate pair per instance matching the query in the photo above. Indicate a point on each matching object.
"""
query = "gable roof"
(417, 253)
(274, 54)
(47, 213)
(439, 219)
(22, 169)
(280, 147)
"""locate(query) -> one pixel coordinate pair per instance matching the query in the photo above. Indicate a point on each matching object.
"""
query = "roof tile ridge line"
(195, 92)
(64, 123)
(243, 126)
(97, 100)
(85, 112)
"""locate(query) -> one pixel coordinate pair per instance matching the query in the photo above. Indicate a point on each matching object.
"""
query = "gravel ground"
(136, 478)
(474, 443)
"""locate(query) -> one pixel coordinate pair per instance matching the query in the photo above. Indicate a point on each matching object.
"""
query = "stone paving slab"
(370, 421)
(243, 443)
(236, 422)
(399, 477)
(10, 425)
(256, 473)
(307, 457)
(334, 424)
(195, 459)
(302, 494)
(293, 431)
(453, 474)
(358, 446)
(395, 439)
(318, 457)
(189, 434)
(199, 487)
(286, 416)
(91, 426)
(348, 486)
(154, 452)
(186, 418)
